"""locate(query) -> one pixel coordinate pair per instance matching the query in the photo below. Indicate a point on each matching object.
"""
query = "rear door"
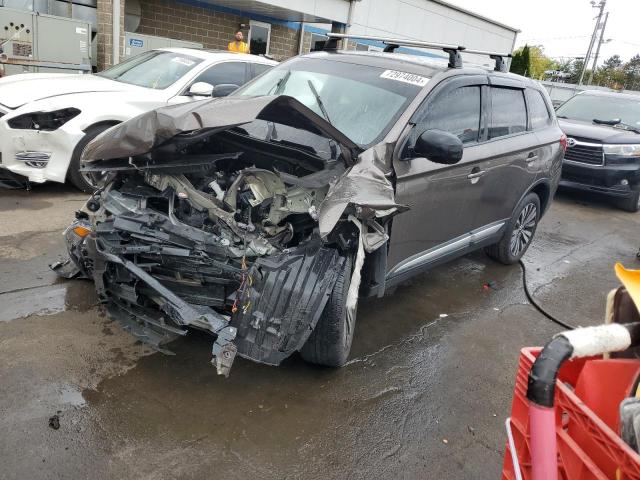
(442, 198)
(512, 160)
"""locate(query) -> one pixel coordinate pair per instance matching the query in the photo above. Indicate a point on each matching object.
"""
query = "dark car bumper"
(607, 179)
(8, 179)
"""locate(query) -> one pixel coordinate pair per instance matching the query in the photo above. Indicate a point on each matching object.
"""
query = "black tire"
(519, 232)
(330, 342)
(73, 174)
(632, 203)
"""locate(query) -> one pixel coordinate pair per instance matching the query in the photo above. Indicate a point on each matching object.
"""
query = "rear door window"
(457, 112)
(228, 72)
(508, 112)
(539, 115)
(259, 69)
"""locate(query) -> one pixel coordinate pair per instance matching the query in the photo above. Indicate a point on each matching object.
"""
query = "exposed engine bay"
(223, 229)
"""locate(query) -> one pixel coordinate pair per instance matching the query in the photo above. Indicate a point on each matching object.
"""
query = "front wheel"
(330, 342)
(519, 232)
(85, 181)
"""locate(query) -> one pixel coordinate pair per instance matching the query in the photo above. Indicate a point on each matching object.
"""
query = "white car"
(46, 120)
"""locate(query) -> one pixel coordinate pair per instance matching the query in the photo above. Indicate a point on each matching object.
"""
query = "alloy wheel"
(523, 229)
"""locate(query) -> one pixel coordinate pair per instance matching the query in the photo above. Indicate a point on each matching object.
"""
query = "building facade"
(278, 28)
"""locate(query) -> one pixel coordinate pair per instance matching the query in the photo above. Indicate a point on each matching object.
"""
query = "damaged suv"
(263, 216)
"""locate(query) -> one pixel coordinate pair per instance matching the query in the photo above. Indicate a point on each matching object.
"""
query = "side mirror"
(439, 147)
(224, 89)
(201, 89)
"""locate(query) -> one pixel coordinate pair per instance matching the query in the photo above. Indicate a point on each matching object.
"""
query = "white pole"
(116, 32)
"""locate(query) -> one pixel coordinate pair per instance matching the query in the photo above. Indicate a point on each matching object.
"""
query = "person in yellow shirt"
(238, 45)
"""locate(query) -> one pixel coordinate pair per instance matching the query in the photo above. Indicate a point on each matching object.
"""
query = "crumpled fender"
(364, 185)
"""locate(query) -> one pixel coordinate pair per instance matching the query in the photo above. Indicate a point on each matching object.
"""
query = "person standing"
(238, 45)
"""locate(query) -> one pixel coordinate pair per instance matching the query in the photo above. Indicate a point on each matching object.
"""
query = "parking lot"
(425, 393)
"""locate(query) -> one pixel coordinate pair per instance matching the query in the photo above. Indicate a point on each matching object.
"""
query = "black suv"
(263, 216)
(603, 155)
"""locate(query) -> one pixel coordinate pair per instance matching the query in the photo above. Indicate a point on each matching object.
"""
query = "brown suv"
(263, 216)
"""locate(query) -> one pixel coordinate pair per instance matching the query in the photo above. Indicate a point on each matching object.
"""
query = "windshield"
(361, 101)
(595, 107)
(156, 69)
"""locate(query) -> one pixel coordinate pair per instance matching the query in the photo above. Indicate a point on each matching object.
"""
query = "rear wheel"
(330, 342)
(519, 232)
(631, 203)
(87, 182)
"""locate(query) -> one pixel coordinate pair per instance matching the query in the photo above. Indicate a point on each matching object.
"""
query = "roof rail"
(455, 60)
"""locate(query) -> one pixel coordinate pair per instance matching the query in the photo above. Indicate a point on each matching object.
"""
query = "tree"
(632, 73)
(521, 61)
(575, 69)
(539, 62)
(613, 62)
(611, 74)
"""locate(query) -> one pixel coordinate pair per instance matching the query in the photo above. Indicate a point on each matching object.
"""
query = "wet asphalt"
(425, 394)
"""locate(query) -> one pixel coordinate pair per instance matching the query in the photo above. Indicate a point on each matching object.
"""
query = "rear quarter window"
(508, 112)
(539, 114)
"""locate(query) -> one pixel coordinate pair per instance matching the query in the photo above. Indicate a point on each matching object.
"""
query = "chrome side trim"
(441, 250)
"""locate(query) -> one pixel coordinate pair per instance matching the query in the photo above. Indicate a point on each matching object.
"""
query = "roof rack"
(455, 59)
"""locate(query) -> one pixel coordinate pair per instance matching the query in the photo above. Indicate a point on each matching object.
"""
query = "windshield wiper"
(626, 126)
(611, 122)
(319, 102)
(278, 87)
(617, 123)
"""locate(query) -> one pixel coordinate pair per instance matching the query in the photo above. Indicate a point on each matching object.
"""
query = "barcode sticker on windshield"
(405, 77)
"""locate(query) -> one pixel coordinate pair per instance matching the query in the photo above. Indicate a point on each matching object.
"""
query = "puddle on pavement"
(443, 294)
(72, 396)
(47, 300)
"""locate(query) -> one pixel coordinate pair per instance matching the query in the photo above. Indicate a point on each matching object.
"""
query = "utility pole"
(601, 6)
(602, 40)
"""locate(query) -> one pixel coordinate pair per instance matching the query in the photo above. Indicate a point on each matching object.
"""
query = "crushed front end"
(219, 230)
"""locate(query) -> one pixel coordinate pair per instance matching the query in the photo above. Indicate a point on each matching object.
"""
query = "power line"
(544, 39)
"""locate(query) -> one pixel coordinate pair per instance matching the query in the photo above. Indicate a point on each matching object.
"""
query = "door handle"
(477, 174)
(531, 157)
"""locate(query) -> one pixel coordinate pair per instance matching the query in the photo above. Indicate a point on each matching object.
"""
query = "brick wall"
(105, 32)
(283, 42)
(212, 28)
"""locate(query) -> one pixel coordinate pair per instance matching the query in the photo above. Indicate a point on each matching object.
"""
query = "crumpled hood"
(18, 90)
(597, 133)
(151, 129)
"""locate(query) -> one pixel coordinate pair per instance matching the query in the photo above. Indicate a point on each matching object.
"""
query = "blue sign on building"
(136, 42)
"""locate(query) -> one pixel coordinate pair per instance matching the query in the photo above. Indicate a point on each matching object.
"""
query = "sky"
(564, 27)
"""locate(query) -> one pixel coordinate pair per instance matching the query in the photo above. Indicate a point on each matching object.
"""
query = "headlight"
(45, 121)
(622, 150)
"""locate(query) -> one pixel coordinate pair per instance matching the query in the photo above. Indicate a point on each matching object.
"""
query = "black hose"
(536, 305)
(544, 372)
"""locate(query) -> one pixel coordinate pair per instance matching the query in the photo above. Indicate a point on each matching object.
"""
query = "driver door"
(226, 72)
(442, 198)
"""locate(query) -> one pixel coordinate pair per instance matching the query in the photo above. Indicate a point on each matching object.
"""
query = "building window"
(317, 42)
(259, 34)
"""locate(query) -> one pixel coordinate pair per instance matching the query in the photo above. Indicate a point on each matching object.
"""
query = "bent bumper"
(156, 289)
(38, 156)
(613, 180)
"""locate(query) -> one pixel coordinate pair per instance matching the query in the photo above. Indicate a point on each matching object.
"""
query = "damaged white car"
(263, 216)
